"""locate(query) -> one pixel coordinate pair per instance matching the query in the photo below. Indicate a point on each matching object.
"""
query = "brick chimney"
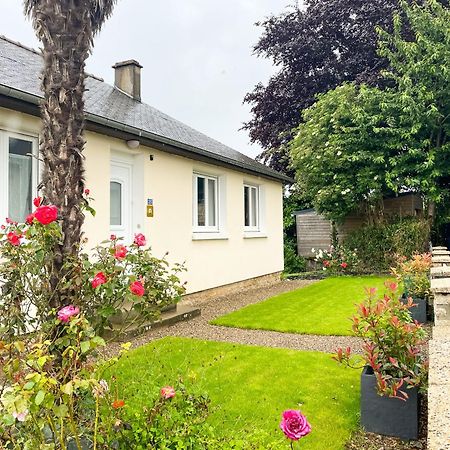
(127, 78)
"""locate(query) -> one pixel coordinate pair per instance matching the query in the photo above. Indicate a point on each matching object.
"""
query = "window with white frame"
(18, 175)
(251, 208)
(206, 208)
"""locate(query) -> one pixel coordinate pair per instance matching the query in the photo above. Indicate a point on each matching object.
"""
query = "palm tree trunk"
(64, 30)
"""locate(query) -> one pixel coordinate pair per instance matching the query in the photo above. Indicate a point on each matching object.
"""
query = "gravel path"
(201, 329)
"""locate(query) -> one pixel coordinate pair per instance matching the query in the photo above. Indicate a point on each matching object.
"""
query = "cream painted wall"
(168, 181)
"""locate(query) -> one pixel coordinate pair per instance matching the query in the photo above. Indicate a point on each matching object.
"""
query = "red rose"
(46, 214)
(98, 280)
(326, 263)
(139, 240)
(120, 251)
(344, 265)
(37, 202)
(87, 191)
(137, 289)
(113, 237)
(29, 219)
(14, 238)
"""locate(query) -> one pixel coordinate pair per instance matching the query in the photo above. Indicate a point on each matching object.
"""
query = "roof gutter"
(118, 129)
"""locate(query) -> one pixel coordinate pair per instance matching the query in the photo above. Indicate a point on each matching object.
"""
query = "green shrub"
(293, 263)
(378, 246)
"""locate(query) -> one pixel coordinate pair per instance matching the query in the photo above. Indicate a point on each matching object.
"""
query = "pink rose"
(168, 392)
(64, 314)
(344, 265)
(46, 214)
(98, 280)
(294, 424)
(87, 191)
(139, 240)
(37, 201)
(120, 251)
(113, 237)
(14, 238)
(137, 289)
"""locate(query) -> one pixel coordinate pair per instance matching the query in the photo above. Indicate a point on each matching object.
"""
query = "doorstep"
(180, 313)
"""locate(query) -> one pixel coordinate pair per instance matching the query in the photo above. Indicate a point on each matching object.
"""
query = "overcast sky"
(197, 56)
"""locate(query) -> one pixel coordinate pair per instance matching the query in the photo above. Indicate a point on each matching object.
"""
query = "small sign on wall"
(149, 207)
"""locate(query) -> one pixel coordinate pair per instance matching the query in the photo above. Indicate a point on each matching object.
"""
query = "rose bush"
(115, 283)
(337, 259)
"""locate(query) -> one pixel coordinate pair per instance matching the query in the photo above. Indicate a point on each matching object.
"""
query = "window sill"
(254, 234)
(212, 236)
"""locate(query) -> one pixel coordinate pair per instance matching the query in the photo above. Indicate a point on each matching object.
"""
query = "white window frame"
(205, 228)
(254, 227)
(4, 167)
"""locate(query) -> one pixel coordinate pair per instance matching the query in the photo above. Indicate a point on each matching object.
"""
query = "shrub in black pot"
(388, 415)
(413, 275)
(395, 368)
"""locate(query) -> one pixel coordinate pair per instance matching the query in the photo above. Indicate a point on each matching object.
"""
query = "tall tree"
(358, 143)
(316, 48)
(66, 29)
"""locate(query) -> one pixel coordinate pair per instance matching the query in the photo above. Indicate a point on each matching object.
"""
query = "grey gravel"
(200, 328)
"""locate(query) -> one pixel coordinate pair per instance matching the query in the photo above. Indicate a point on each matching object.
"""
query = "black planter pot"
(418, 312)
(385, 415)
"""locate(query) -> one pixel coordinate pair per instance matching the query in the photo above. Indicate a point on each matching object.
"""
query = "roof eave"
(118, 129)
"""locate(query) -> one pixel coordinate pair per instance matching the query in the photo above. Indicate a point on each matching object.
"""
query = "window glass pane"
(254, 211)
(200, 201)
(246, 206)
(211, 203)
(115, 198)
(20, 179)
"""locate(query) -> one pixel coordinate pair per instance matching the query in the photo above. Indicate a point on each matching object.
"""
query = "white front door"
(121, 218)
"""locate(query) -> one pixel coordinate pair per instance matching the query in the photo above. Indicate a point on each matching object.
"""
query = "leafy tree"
(316, 49)
(66, 29)
(360, 143)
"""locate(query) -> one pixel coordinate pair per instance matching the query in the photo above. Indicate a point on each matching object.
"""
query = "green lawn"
(249, 386)
(321, 308)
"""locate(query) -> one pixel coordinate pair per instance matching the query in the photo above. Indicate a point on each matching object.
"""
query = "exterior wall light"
(133, 144)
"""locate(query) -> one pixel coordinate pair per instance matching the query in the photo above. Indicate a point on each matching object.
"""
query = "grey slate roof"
(20, 69)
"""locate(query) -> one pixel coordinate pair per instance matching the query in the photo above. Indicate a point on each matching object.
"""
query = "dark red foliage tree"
(316, 48)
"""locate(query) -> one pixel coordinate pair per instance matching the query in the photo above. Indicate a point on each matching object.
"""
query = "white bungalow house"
(213, 207)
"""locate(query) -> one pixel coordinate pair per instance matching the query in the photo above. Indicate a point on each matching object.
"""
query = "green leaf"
(39, 397)
(61, 411)
(28, 386)
(85, 346)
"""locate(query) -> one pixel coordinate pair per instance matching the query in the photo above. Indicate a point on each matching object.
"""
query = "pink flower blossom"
(46, 214)
(120, 251)
(21, 416)
(113, 237)
(14, 238)
(87, 191)
(37, 201)
(137, 288)
(29, 219)
(139, 240)
(64, 314)
(344, 265)
(98, 280)
(168, 392)
(294, 424)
